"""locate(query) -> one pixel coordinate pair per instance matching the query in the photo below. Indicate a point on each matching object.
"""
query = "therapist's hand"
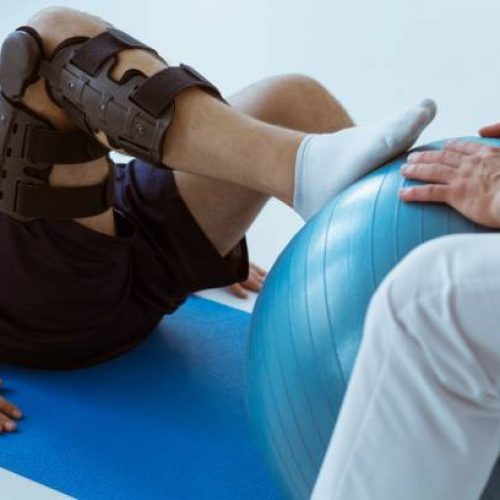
(490, 131)
(9, 413)
(465, 175)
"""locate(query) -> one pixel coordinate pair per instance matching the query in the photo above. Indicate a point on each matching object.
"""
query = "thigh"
(423, 404)
(448, 291)
(225, 211)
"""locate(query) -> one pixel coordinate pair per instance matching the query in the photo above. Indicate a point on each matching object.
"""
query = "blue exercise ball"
(308, 320)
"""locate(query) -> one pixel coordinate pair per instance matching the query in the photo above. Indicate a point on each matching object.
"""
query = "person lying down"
(94, 253)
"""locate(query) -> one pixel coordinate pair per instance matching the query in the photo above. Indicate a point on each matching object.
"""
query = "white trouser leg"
(421, 417)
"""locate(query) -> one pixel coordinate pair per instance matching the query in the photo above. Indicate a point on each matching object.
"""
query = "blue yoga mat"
(166, 421)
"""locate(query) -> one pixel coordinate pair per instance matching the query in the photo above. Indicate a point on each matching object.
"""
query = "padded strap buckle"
(34, 200)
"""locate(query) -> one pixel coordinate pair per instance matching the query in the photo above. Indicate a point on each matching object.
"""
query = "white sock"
(328, 163)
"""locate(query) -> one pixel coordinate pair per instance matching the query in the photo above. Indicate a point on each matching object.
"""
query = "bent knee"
(300, 102)
(432, 266)
(282, 92)
(448, 284)
(299, 83)
(443, 262)
(444, 298)
(53, 14)
(56, 24)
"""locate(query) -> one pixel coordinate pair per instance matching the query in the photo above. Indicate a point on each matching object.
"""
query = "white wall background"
(376, 56)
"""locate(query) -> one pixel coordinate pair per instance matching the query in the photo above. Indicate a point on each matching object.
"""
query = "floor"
(15, 487)
(263, 250)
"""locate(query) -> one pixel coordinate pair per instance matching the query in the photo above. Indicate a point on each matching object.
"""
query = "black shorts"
(70, 296)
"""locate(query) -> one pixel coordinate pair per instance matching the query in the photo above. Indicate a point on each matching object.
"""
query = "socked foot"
(328, 163)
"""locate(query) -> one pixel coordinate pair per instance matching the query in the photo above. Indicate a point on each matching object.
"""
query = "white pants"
(421, 417)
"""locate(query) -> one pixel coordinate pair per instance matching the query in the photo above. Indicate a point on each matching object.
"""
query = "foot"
(328, 163)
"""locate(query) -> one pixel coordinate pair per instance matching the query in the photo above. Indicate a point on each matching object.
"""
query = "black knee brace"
(30, 146)
(135, 112)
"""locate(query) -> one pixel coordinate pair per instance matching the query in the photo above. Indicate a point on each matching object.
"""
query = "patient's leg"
(211, 139)
(224, 210)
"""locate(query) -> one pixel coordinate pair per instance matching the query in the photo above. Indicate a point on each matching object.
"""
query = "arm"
(465, 175)
(9, 413)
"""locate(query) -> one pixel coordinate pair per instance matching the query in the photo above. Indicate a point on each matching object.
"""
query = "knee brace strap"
(29, 146)
(135, 112)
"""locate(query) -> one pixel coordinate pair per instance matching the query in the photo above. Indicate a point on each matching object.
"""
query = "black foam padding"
(19, 63)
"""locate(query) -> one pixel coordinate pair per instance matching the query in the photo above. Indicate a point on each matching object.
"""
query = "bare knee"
(296, 85)
(53, 12)
(56, 16)
(307, 102)
(56, 24)
(300, 102)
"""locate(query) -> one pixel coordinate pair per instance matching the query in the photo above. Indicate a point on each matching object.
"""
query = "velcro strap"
(157, 93)
(96, 51)
(64, 203)
(51, 146)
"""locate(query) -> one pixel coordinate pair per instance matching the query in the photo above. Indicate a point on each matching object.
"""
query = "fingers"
(6, 424)
(467, 148)
(445, 157)
(238, 291)
(261, 272)
(8, 411)
(490, 131)
(435, 193)
(453, 154)
(428, 172)
(256, 277)
(254, 284)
